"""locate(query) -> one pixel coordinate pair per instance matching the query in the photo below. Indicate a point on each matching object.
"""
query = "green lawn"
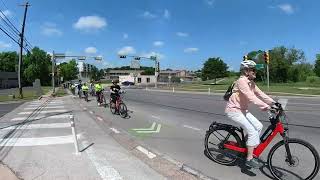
(28, 94)
(295, 88)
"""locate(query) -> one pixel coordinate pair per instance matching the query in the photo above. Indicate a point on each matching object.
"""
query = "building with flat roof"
(8, 80)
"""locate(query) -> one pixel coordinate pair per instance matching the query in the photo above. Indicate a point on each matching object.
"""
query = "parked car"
(127, 83)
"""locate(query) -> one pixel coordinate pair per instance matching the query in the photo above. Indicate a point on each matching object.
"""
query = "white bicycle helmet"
(247, 64)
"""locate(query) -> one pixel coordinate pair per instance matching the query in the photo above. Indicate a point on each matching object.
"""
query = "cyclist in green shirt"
(85, 90)
(98, 89)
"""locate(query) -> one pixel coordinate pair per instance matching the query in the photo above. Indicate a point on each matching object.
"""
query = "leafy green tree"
(69, 71)
(317, 65)
(300, 72)
(37, 65)
(148, 71)
(214, 68)
(9, 61)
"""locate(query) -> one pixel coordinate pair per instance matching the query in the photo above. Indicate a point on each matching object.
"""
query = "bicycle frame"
(278, 128)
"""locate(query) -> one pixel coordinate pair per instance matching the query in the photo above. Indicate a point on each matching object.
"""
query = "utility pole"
(53, 64)
(21, 46)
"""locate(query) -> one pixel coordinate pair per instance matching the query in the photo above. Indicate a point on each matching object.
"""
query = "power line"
(6, 20)
(9, 35)
(12, 26)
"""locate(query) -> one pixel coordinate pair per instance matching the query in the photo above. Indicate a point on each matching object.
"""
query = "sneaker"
(254, 163)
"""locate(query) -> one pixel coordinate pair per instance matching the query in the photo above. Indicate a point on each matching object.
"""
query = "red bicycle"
(224, 146)
(119, 107)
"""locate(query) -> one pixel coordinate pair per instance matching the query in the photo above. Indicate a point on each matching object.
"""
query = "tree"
(69, 71)
(148, 71)
(37, 65)
(9, 61)
(214, 68)
(317, 65)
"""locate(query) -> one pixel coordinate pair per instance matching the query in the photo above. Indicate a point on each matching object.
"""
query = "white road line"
(115, 130)
(60, 116)
(105, 170)
(91, 112)
(43, 141)
(84, 108)
(146, 152)
(99, 118)
(44, 112)
(39, 126)
(156, 117)
(49, 107)
(190, 127)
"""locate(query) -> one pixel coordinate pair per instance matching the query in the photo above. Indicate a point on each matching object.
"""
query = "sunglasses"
(253, 70)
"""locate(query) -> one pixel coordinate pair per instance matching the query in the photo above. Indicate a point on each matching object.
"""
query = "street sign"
(60, 55)
(81, 58)
(135, 64)
(98, 58)
(260, 66)
(153, 57)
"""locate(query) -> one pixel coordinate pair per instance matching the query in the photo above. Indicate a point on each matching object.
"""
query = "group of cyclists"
(96, 89)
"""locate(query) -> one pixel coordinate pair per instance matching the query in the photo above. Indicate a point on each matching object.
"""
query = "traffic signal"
(266, 57)
(137, 58)
(245, 58)
(123, 56)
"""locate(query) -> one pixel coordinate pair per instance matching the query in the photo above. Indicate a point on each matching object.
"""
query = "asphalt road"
(185, 119)
(8, 107)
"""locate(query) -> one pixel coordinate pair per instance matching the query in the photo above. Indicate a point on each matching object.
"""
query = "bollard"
(74, 133)
(172, 89)
(209, 91)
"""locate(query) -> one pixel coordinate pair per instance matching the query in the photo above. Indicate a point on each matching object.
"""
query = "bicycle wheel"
(123, 111)
(214, 140)
(113, 107)
(305, 160)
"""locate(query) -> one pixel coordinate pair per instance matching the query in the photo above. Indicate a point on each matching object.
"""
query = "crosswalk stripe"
(49, 107)
(36, 141)
(39, 126)
(60, 116)
(44, 112)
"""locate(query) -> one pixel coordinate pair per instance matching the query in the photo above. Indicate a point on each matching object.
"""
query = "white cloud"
(148, 15)
(50, 29)
(190, 50)
(166, 14)
(230, 68)
(90, 50)
(287, 8)
(7, 13)
(126, 50)
(182, 34)
(90, 23)
(158, 43)
(125, 36)
(5, 45)
(148, 54)
(210, 2)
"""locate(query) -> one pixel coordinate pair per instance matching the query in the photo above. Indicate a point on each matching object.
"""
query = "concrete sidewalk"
(43, 148)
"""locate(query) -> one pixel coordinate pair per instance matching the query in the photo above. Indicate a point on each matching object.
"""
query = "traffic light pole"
(268, 77)
(156, 73)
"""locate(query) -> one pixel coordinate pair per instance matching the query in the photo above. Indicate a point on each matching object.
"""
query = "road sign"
(135, 64)
(59, 55)
(260, 66)
(81, 58)
(152, 129)
(153, 57)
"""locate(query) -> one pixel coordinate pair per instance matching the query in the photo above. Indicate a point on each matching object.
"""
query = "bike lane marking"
(190, 127)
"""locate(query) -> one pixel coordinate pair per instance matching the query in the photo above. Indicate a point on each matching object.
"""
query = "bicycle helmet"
(247, 64)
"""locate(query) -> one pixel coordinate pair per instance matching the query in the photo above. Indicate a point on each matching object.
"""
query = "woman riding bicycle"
(245, 92)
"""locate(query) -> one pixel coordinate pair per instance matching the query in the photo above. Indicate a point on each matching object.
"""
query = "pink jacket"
(245, 92)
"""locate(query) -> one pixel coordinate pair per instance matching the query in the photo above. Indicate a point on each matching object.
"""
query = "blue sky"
(183, 33)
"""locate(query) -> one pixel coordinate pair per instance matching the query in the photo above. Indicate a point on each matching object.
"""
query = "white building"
(139, 80)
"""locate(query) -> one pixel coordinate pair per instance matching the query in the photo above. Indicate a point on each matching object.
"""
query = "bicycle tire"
(123, 111)
(113, 107)
(314, 152)
(224, 152)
